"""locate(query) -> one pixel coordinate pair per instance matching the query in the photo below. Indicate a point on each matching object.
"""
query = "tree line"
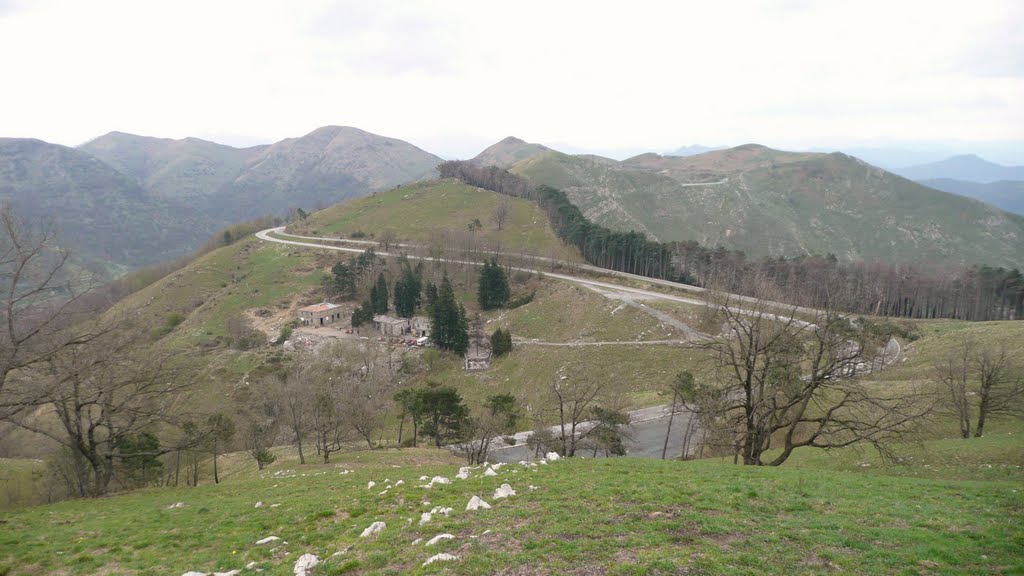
(975, 292)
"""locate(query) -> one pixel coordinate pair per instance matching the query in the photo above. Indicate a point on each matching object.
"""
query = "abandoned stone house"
(418, 326)
(319, 314)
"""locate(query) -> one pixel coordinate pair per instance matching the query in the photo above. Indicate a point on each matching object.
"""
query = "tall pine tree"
(450, 328)
(379, 295)
(492, 290)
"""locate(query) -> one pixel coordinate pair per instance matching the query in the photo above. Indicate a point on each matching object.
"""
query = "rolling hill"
(420, 212)
(770, 203)
(1006, 194)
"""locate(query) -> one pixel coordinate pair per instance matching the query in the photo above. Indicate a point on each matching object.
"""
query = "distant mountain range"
(967, 167)
(769, 203)
(125, 201)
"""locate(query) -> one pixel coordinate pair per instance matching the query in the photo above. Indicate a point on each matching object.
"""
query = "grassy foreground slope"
(617, 516)
(420, 213)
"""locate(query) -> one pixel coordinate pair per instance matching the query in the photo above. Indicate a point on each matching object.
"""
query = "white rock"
(195, 574)
(400, 482)
(441, 510)
(370, 484)
(373, 529)
(476, 503)
(258, 505)
(304, 565)
(176, 505)
(425, 517)
(463, 473)
(267, 540)
(552, 456)
(422, 478)
(382, 493)
(440, 480)
(438, 538)
(443, 556)
(504, 492)
(498, 465)
(228, 573)
(417, 541)
(490, 472)
(251, 565)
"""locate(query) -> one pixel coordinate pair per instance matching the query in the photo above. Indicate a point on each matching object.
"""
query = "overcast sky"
(455, 76)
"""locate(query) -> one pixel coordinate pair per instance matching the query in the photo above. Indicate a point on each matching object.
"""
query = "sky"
(453, 77)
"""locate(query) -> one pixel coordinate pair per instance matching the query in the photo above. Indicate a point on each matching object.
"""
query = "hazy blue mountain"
(969, 167)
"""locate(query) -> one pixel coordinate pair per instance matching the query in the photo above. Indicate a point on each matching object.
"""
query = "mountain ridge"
(968, 167)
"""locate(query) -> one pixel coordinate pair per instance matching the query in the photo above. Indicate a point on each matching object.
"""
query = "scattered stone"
(400, 482)
(228, 573)
(267, 540)
(258, 505)
(504, 492)
(444, 556)
(422, 478)
(532, 487)
(552, 456)
(490, 472)
(274, 505)
(438, 538)
(370, 484)
(304, 565)
(195, 574)
(176, 505)
(440, 480)
(373, 529)
(425, 517)
(417, 541)
(251, 565)
(475, 503)
(382, 493)
(463, 473)
(497, 466)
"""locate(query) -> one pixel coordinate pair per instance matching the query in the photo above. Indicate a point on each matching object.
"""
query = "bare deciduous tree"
(100, 393)
(39, 297)
(981, 381)
(501, 213)
(788, 383)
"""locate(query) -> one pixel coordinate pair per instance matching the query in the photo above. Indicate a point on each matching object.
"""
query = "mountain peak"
(507, 152)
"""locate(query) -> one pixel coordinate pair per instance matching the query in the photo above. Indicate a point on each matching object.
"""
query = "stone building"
(418, 326)
(319, 314)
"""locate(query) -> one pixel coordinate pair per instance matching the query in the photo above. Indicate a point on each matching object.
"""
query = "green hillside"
(419, 213)
(772, 203)
(577, 516)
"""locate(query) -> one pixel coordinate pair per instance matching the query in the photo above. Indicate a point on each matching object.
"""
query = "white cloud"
(452, 76)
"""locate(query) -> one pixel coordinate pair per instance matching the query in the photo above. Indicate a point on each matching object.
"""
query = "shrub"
(521, 301)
